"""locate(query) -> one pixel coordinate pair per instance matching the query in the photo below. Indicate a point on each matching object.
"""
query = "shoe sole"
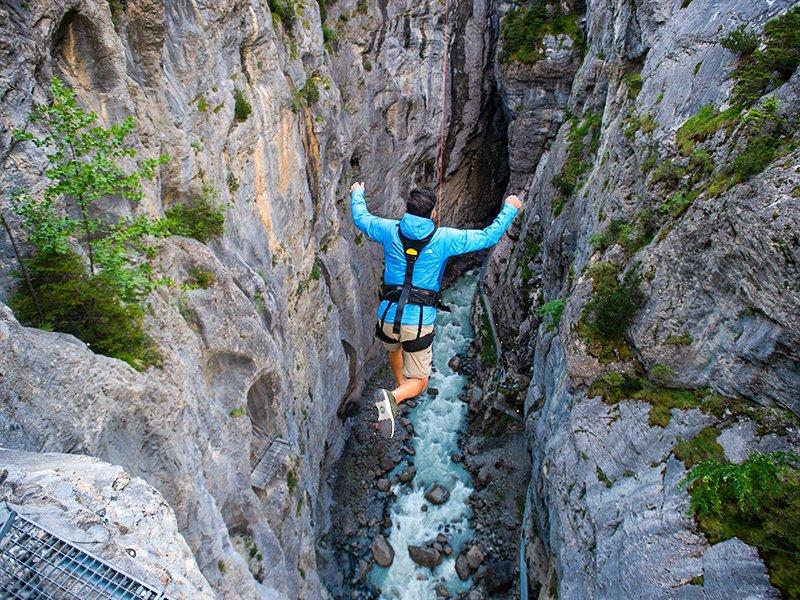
(382, 423)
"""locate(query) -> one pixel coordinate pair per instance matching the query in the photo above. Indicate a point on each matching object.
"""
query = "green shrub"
(310, 91)
(631, 236)
(758, 502)
(488, 349)
(614, 306)
(100, 301)
(757, 155)
(668, 173)
(201, 220)
(740, 41)
(682, 339)
(236, 413)
(575, 166)
(284, 11)
(677, 204)
(701, 447)
(523, 30)
(116, 8)
(614, 387)
(634, 83)
(199, 279)
(329, 36)
(552, 312)
(707, 121)
(242, 108)
(766, 68)
(85, 306)
(291, 481)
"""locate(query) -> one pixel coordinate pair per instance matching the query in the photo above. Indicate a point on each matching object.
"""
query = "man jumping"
(415, 253)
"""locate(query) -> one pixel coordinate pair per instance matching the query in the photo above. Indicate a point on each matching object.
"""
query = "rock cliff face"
(283, 338)
(607, 517)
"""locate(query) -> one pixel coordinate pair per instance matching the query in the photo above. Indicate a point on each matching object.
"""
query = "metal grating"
(267, 459)
(37, 564)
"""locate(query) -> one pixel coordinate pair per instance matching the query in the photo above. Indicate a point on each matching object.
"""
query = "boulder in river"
(442, 591)
(382, 551)
(437, 494)
(454, 363)
(474, 557)
(462, 567)
(407, 475)
(424, 556)
(383, 484)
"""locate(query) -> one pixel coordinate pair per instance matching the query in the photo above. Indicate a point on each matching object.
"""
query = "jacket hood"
(415, 227)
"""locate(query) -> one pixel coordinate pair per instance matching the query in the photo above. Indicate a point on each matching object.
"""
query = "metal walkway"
(267, 456)
(37, 564)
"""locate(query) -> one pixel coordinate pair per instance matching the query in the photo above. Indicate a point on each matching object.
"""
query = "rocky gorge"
(657, 157)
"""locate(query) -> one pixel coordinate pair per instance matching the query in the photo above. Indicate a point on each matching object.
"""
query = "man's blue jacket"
(429, 268)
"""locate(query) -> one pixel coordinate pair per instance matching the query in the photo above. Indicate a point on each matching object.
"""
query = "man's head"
(421, 202)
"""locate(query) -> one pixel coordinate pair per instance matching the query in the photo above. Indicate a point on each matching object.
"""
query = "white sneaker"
(387, 410)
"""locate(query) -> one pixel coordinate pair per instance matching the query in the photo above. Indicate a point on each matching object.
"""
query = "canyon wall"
(282, 338)
(607, 516)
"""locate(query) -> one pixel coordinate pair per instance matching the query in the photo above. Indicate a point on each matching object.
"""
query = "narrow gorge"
(616, 370)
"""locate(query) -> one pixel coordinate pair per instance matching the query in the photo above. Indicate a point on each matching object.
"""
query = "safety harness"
(409, 294)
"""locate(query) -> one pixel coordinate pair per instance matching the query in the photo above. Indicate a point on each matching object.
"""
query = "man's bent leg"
(396, 363)
(411, 387)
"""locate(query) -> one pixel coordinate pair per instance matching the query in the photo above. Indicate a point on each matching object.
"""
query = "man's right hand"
(357, 186)
(514, 201)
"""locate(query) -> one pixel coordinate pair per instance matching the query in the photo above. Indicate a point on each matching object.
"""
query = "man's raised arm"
(471, 240)
(374, 227)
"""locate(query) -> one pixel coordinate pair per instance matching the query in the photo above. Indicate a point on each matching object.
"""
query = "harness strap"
(412, 249)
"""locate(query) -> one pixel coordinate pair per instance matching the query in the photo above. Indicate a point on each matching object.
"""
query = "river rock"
(454, 363)
(382, 551)
(437, 494)
(433, 392)
(462, 567)
(442, 591)
(383, 484)
(499, 576)
(474, 557)
(424, 556)
(407, 475)
(388, 463)
(441, 538)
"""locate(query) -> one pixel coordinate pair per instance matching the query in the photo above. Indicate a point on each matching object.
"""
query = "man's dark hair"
(421, 202)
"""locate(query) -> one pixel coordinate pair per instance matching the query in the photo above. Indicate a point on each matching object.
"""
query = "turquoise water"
(437, 421)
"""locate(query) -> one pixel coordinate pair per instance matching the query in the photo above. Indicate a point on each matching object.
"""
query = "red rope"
(445, 54)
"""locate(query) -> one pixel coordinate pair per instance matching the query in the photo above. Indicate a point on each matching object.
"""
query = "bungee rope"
(443, 99)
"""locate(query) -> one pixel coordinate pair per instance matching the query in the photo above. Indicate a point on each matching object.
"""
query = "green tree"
(86, 164)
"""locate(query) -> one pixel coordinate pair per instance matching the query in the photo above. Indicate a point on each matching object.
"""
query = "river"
(437, 420)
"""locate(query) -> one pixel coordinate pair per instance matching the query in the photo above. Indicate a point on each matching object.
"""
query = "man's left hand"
(357, 186)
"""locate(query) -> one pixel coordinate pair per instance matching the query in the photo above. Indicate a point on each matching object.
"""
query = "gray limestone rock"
(735, 561)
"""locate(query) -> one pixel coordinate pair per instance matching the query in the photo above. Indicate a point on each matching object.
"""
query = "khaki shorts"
(415, 364)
